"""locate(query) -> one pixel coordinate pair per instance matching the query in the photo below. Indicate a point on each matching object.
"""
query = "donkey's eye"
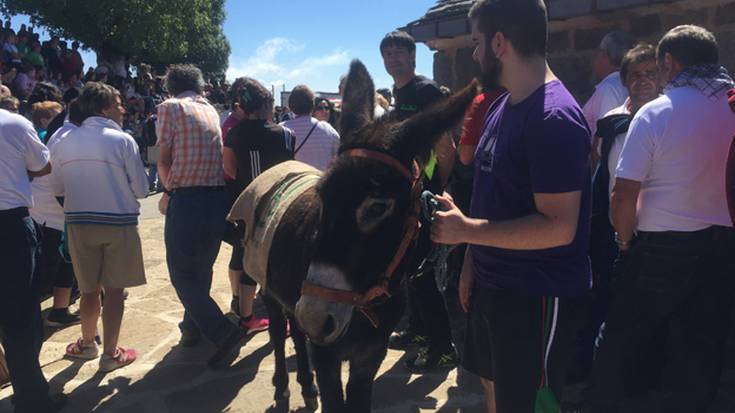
(372, 212)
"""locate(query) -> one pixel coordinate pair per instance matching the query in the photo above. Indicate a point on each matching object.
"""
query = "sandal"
(79, 350)
(122, 358)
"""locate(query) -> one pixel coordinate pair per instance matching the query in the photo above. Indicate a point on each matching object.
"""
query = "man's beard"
(492, 69)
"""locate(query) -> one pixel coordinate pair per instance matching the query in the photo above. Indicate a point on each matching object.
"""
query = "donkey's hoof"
(311, 403)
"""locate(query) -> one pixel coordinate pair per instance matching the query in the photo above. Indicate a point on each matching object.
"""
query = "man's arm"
(445, 150)
(165, 130)
(554, 225)
(230, 161)
(623, 207)
(165, 160)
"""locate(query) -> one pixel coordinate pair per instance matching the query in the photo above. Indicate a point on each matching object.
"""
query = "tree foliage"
(159, 32)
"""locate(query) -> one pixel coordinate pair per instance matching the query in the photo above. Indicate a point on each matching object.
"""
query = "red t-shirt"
(475, 118)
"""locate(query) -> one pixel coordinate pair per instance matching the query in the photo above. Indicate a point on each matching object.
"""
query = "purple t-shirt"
(540, 145)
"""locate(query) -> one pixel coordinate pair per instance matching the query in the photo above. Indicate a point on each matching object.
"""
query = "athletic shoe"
(60, 318)
(79, 350)
(427, 360)
(122, 358)
(404, 340)
(254, 325)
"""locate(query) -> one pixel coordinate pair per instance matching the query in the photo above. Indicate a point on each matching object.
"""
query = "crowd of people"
(596, 267)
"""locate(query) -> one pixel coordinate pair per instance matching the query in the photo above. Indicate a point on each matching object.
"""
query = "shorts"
(506, 344)
(236, 264)
(106, 255)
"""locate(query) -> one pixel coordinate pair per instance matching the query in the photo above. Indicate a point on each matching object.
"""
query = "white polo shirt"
(323, 144)
(20, 151)
(609, 94)
(677, 147)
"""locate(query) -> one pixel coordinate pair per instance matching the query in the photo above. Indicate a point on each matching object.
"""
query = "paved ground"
(168, 378)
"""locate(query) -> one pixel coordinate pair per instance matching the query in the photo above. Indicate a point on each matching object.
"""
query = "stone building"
(575, 30)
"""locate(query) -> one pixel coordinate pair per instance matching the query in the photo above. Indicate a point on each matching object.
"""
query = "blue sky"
(287, 42)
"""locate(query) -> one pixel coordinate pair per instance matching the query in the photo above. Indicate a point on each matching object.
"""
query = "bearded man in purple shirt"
(527, 268)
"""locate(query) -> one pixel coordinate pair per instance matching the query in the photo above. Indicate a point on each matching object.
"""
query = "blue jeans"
(20, 312)
(195, 224)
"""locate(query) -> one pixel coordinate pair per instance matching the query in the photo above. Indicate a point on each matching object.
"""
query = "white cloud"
(268, 64)
(263, 64)
(311, 65)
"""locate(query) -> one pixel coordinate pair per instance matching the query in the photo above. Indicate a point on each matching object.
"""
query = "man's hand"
(163, 204)
(449, 226)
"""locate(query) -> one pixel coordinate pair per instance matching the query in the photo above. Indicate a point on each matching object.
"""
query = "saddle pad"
(262, 205)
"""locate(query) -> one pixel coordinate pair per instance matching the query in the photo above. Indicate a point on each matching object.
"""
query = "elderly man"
(610, 92)
(640, 77)
(99, 173)
(22, 155)
(669, 209)
(195, 204)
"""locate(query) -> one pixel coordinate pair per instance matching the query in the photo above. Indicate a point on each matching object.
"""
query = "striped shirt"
(189, 126)
(323, 144)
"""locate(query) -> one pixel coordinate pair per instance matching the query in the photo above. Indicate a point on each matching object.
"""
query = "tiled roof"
(445, 8)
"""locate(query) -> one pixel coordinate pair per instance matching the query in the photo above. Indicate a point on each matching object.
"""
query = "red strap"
(383, 158)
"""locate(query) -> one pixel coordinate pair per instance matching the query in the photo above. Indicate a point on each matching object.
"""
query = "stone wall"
(575, 34)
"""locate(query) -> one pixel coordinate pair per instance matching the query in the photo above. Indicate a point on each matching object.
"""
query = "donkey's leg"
(277, 333)
(328, 368)
(363, 368)
(304, 374)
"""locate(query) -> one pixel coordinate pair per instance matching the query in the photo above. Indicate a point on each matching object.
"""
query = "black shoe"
(60, 318)
(404, 340)
(228, 347)
(427, 360)
(189, 338)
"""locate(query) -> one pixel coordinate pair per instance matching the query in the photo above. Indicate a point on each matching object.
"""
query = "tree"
(158, 32)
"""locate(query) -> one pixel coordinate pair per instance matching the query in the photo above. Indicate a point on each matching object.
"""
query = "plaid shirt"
(189, 126)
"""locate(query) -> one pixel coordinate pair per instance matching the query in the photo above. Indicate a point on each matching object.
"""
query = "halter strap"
(363, 301)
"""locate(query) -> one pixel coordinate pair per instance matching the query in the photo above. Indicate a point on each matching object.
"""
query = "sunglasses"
(322, 107)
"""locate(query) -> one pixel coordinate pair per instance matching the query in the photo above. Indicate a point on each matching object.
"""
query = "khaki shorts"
(106, 255)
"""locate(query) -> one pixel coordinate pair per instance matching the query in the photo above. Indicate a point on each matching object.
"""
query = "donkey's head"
(365, 201)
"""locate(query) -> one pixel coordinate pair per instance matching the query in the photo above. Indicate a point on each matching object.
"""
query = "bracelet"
(620, 241)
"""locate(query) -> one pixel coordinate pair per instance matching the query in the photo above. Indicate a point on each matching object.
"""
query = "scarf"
(711, 80)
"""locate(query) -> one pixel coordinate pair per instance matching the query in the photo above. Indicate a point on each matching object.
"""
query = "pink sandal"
(122, 358)
(79, 350)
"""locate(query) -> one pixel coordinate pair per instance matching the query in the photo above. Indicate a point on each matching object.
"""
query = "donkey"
(339, 253)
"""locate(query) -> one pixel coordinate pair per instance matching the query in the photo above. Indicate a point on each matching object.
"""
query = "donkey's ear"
(417, 135)
(358, 102)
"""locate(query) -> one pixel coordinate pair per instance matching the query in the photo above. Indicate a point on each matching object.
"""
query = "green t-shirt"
(35, 59)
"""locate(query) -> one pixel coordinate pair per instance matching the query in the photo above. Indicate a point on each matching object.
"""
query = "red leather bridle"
(364, 301)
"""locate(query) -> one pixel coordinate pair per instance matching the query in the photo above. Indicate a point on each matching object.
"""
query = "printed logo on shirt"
(486, 153)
